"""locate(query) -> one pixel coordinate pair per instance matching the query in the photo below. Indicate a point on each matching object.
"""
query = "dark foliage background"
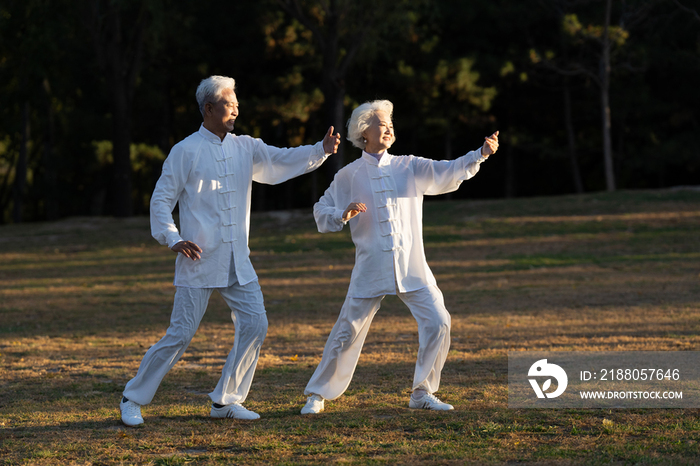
(93, 94)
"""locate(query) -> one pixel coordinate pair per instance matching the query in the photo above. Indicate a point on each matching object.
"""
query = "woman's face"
(380, 134)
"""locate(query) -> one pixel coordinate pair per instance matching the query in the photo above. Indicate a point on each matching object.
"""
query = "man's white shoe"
(131, 413)
(314, 405)
(235, 411)
(429, 401)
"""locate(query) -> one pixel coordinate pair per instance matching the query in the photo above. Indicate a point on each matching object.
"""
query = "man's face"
(221, 115)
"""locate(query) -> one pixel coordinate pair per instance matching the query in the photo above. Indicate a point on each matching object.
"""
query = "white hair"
(360, 120)
(210, 89)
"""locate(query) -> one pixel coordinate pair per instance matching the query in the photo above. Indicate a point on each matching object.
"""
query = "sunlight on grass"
(82, 300)
(645, 217)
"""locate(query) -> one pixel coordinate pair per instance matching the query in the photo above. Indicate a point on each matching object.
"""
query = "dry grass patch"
(81, 301)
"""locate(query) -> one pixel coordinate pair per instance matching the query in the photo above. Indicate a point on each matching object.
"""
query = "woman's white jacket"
(388, 237)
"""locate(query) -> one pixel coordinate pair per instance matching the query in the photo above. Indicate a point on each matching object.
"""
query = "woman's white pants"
(250, 322)
(342, 351)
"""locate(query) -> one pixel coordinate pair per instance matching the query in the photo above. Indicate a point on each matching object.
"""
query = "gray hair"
(360, 120)
(210, 89)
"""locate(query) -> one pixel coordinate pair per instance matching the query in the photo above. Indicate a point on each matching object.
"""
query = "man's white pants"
(250, 322)
(342, 351)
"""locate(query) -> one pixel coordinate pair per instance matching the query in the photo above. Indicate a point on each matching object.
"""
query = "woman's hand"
(490, 145)
(353, 209)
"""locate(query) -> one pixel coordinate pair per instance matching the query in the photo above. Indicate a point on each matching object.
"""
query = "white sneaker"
(429, 401)
(131, 413)
(235, 411)
(314, 405)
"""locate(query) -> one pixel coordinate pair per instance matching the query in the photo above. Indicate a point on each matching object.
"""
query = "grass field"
(81, 300)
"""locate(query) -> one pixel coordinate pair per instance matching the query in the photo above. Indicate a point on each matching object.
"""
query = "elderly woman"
(381, 196)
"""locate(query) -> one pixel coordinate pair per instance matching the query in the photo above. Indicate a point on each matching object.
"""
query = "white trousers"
(342, 351)
(250, 323)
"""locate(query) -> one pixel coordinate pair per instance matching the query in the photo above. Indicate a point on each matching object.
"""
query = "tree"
(599, 48)
(32, 33)
(693, 13)
(448, 95)
(118, 30)
(338, 39)
(571, 138)
(340, 30)
(424, 55)
(20, 186)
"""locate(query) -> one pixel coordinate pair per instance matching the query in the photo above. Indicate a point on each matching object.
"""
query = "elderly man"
(209, 174)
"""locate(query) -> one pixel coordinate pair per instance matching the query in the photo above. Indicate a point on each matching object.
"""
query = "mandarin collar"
(372, 161)
(211, 137)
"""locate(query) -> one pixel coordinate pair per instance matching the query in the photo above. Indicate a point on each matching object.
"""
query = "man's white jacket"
(211, 180)
(389, 236)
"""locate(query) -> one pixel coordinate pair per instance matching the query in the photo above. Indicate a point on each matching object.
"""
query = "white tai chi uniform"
(211, 180)
(389, 259)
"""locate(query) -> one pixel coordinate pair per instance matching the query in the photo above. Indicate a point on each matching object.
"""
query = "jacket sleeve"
(165, 195)
(274, 165)
(435, 177)
(328, 211)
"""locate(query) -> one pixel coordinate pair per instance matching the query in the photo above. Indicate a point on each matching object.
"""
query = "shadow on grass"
(83, 300)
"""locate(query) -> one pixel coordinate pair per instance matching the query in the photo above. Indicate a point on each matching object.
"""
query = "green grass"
(81, 300)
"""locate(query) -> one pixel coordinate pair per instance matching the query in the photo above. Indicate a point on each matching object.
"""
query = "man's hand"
(353, 209)
(188, 249)
(331, 142)
(490, 145)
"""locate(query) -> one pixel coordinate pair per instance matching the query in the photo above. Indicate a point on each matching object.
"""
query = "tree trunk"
(571, 139)
(166, 123)
(448, 141)
(333, 88)
(51, 202)
(21, 170)
(339, 123)
(121, 152)
(605, 102)
(314, 187)
(335, 114)
(510, 172)
(448, 150)
(119, 55)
